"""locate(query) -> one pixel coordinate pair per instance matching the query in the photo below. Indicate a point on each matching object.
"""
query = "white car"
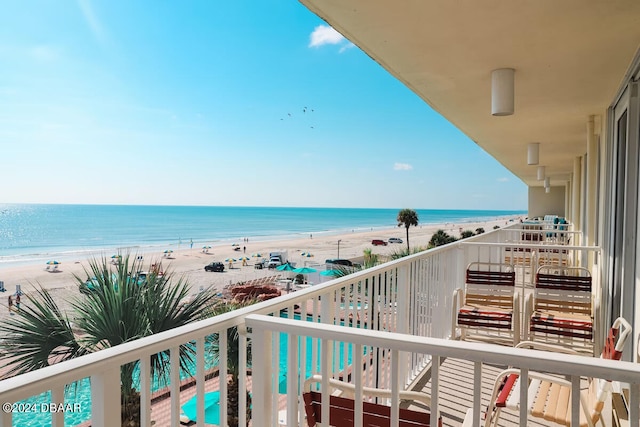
(395, 240)
(274, 262)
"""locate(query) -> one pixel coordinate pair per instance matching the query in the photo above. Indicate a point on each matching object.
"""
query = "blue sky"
(220, 103)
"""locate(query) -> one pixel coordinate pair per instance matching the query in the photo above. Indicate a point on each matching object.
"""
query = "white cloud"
(92, 21)
(346, 47)
(503, 179)
(402, 167)
(323, 34)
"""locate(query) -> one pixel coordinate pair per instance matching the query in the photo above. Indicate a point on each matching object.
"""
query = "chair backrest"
(490, 284)
(342, 409)
(564, 289)
(614, 345)
(616, 339)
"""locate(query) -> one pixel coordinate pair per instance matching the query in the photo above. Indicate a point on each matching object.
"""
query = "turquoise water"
(31, 231)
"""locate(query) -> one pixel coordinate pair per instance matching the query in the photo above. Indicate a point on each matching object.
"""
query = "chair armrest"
(457, 302)
(528, 311)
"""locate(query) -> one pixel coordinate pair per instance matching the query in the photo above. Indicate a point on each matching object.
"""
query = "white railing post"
(477, 394)
(435, 387)
(223, 358)
(403, 306)
(261, 373)
(145, 390)
(242, 377)
(57, 398)
(5, 418)
(105, 397)
(200, 375)
(174, 386)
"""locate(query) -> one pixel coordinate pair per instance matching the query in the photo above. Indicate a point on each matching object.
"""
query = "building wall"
(542, 203)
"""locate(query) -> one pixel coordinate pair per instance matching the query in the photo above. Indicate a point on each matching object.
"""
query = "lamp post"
(339, 248)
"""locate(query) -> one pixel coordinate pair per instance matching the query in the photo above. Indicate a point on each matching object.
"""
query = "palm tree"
(440, 238)
(117, 306)
(466, 233)
(233, 362)
(407, 218)
(370, 259)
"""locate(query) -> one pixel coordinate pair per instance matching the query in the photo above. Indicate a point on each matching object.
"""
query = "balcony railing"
(403, 301)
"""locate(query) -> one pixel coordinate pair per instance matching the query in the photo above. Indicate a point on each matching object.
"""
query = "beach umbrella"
(306, 254)
(168, 251)
(206, 247)
(304, 270)
(116, 256)
(332, 273)
(285, 267)
(230, 260)
(211, 408)
(257, 255)
(235, 244)
(53, 262)
(244, 258)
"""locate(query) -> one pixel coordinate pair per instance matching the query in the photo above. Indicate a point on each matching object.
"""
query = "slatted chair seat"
(562, 306)
(342, 410)
(549, 397)
(561, 323)
(488, 303)
(489, 317)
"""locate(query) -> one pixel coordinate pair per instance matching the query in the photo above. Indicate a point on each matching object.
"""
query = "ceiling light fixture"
(541, 173)
(502, 91)
(533, 153)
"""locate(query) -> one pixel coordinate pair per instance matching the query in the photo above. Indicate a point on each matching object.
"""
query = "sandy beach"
(190, 262)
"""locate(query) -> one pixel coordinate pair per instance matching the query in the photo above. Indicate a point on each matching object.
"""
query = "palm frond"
(39, 334)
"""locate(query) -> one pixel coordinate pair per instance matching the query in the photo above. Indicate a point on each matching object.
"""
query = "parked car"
(339, 262)
(214, 266)
(378, 242)
(395, 240)
(274, 262)
(260, 264)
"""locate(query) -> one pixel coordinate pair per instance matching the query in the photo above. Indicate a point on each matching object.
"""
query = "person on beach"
(11, 305)
(244, 249)
(18, 302)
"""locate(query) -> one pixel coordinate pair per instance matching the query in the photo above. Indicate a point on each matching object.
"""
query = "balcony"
(388, 327)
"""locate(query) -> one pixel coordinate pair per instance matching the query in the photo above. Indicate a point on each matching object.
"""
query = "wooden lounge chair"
(549, 397)
(342, 407)
(488, 303)
(562, 307)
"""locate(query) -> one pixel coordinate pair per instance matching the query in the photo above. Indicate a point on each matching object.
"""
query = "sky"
(238, 103)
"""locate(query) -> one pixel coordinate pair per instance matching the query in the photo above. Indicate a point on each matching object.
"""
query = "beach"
(189, 261)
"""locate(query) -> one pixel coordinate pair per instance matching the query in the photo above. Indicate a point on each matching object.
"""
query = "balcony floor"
(456, 393)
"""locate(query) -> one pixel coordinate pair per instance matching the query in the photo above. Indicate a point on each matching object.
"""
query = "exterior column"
(567, 199)
(592, 175)
(575, 193)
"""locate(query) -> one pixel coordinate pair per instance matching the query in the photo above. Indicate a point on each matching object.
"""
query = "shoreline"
(36, 254)
(190, 262)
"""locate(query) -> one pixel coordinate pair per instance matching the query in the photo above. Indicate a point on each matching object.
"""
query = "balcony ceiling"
(570, 58)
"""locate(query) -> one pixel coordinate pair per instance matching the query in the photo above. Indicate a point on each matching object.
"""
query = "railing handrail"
(477, 352)
(30, 383)
(533, 245)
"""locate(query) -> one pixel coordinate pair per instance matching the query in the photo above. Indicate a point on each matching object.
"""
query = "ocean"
(33, 231)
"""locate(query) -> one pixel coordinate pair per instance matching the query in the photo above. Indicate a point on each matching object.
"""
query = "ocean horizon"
(33, 231)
